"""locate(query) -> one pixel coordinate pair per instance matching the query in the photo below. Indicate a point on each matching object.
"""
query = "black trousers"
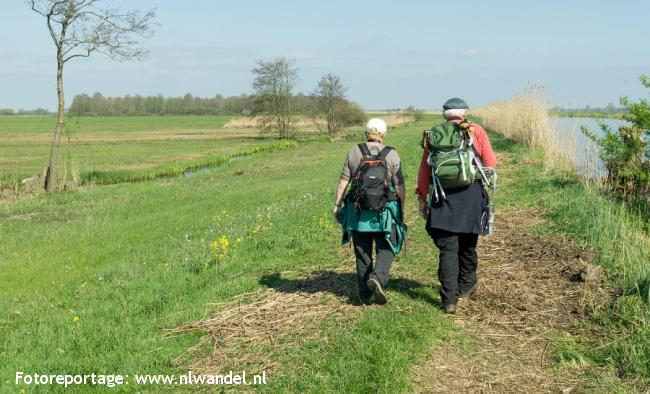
(458, 263)
(363, 251)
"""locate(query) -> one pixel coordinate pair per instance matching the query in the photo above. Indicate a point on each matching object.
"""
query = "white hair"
(454, 113)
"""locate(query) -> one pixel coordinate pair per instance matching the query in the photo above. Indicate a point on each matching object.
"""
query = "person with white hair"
(453, 199)
(372, 209)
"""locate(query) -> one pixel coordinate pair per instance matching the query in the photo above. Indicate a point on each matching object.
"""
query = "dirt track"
(532, 288)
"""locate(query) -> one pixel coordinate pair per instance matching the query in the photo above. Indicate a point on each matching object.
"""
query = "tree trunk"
(51, 181)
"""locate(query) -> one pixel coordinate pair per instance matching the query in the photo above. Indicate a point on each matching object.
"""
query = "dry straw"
(251, 330)
(525, 118)
(305, 122)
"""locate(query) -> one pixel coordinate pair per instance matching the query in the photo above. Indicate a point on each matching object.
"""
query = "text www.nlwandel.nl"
(115, 380)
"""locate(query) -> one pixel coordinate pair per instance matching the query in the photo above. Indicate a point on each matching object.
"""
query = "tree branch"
(85, 28)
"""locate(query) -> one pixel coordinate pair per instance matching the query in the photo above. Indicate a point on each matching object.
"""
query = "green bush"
(626, 153)
(352, 114)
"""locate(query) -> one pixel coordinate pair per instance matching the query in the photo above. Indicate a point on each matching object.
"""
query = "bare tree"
(331, 102)
(80, 28)
(273, 83)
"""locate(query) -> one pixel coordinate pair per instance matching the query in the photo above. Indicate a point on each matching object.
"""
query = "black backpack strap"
(384, 152)
(364, 150)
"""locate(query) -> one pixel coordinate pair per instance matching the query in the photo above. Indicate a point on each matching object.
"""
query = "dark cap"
(455, 103)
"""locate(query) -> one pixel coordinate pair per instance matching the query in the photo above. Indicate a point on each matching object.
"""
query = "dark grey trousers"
(458, 263)
(363, 252)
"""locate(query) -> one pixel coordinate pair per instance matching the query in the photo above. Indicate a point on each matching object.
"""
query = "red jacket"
(483, 148)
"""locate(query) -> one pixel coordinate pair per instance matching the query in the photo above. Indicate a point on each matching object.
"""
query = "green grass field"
(118, 144)
(90, 281)
(20, 125)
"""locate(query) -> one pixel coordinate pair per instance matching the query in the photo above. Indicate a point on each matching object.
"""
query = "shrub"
(626, 153)
(353, 114)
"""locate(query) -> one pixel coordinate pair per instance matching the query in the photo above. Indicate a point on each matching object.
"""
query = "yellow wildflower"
(75, 319)
(220, 247)
(223, 242)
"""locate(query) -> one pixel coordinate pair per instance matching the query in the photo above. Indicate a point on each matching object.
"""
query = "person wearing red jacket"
(454, 223)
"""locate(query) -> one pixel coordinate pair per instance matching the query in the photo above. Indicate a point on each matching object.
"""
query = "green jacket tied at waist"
(388, 221)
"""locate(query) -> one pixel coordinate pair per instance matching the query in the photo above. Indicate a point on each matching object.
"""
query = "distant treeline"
(97, 104)
(11, 112)
(610, 111)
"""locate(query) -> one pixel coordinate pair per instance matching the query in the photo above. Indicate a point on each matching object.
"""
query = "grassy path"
(94, 282)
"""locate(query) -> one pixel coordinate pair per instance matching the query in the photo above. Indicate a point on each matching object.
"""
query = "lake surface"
(582, 149)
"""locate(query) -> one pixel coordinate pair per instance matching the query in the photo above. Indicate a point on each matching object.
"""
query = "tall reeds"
(525, 118)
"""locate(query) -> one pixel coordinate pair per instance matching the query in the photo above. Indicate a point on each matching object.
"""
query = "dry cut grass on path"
(533, 287)
(251, 330)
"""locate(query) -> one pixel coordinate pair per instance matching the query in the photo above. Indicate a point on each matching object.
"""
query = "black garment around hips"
(458, 263)
(363, 242)
(463, 211)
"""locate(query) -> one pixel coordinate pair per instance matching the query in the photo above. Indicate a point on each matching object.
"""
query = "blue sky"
(390, 54)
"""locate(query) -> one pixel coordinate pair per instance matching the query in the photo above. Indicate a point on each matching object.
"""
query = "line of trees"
(274, 103)
(245, 104)
(610, 111)
(24, 112)
(97, 104)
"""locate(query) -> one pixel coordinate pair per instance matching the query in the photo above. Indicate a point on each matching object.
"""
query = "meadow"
(101, 279)
(118, 144)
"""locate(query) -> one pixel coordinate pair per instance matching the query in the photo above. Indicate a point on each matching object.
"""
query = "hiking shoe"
(450, 308)
(469, 293)
(377, 290)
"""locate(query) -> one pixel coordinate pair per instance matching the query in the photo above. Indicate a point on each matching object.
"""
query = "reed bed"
(525, 118)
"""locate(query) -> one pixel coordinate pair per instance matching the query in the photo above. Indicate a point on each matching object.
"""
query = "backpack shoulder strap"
(364, 149)
(384, 152)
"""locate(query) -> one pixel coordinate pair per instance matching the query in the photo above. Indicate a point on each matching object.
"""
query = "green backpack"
(451, 157)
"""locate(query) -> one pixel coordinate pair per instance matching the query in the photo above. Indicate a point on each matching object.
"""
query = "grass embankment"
(90, 281)
(576, 207)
